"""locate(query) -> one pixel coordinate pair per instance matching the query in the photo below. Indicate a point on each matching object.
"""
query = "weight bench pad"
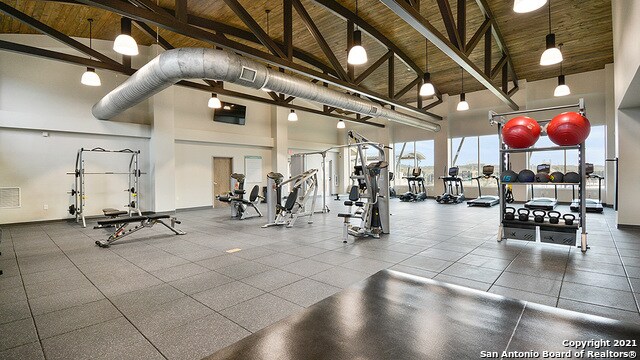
(124, 220)
(113, 212)
(158, 216)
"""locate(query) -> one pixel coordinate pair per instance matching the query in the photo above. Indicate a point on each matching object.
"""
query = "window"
(425, 156)
(554, 158)
(464, 154)
(410, 155)
(489, 154)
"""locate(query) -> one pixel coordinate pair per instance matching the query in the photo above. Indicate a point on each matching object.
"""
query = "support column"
(162, 152)
(441, 153)
(280, 135)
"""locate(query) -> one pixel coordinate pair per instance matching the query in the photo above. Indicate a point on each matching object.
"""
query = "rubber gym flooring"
(154, 295)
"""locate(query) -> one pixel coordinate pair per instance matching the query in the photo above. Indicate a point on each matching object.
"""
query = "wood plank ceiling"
(584, 26)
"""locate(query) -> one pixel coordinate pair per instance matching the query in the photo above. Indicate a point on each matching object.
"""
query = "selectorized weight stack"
(79, 189)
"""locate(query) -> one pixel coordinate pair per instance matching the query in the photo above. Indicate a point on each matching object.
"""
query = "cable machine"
(79, 189)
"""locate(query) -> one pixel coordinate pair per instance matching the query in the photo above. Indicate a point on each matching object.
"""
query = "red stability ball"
(521, 132)
(568, 128)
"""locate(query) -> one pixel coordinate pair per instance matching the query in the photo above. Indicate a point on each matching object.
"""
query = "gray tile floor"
(156, 295)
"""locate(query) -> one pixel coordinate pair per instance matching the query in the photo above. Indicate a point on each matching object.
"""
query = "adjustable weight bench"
(122, 225)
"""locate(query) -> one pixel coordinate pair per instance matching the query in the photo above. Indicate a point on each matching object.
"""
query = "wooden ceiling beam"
(346, 14)
(486, 10)
(373, 67)
(422, 25)
(462, 23)
(53, 33)
(433, 104)
(255, 28)
(498, 66)
(181, 10)
(449, 22)
(408, 87)
(319, 38)
(287, 24)
(475, 39)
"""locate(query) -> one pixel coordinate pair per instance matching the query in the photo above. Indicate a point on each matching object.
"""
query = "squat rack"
(79, 189)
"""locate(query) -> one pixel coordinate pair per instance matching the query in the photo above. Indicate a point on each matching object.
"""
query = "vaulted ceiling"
(583, 26)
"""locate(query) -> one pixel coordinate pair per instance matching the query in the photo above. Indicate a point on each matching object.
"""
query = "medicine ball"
(509, 176)
(521, 132)
(543, 177)
(526, 175)
(568, 128)
(556, 177)
(571, 177)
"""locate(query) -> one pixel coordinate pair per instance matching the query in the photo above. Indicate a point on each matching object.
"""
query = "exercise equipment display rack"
(79, 189)
(526, 229)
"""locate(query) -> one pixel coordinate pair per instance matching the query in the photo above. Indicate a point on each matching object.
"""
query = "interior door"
(221, 179)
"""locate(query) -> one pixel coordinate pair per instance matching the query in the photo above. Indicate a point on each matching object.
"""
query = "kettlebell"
(523, 214)
(554, 217)
(538, 215)
(509, 213)
(568, 219)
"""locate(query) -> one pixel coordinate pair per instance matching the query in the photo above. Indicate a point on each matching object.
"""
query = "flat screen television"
(230, 114)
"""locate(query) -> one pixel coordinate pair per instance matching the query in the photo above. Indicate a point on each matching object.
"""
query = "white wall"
(626, 49)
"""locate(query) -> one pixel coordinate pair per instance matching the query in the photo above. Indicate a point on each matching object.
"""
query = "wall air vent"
(248, 74)
(9, 197)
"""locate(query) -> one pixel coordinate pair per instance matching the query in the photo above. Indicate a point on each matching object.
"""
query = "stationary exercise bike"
(417, 190)
(451, 181)
(240, 205)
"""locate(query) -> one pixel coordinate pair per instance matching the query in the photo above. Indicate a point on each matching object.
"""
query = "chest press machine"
(239, 204)
(304, 187)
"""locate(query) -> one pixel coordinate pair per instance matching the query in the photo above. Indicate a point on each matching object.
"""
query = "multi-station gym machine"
(79, 189)
(369, 193)
(303, 188)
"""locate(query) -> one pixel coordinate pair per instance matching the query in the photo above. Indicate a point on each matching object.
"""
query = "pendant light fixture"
(292, 116)
(427, 88)
(214, 102)
(357, 54)
(562, 89)
(525, 6)
(341, 124)
(90, 77)
(552, 55)
(124, 43)
(463, 105)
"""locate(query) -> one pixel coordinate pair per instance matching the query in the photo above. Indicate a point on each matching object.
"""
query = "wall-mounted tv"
(230, 114)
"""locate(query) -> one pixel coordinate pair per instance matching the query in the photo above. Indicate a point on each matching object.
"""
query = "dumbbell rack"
(527, 230)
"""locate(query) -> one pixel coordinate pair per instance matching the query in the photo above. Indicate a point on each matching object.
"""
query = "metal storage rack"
(527, 230)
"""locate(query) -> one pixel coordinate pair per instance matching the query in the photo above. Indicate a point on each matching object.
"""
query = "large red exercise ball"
(569, 128)
(521, 132)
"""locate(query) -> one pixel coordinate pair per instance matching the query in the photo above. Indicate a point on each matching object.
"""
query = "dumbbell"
(554, 217)
(523, 214)
(568, 219)
(509, 213)
(538, 215)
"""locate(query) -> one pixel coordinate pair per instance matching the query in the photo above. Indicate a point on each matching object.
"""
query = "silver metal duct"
(200, 63)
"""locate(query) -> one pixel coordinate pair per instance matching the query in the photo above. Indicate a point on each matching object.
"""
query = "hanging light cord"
(462, 76)
(356, 14)
(549, 16)
(426, 55)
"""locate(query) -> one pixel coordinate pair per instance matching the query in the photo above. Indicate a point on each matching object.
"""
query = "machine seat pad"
(348, 203)
(359, 203)
(224, 198)
(111, 212)
(123, 220)
(345, 215)
(158, 216)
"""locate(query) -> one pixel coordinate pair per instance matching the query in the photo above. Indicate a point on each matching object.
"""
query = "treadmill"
(449, 197)
(591, 205)
(487, 200)
(542, 203)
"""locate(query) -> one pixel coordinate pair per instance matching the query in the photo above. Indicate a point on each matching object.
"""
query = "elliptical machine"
(417, 190)
(449, 197)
